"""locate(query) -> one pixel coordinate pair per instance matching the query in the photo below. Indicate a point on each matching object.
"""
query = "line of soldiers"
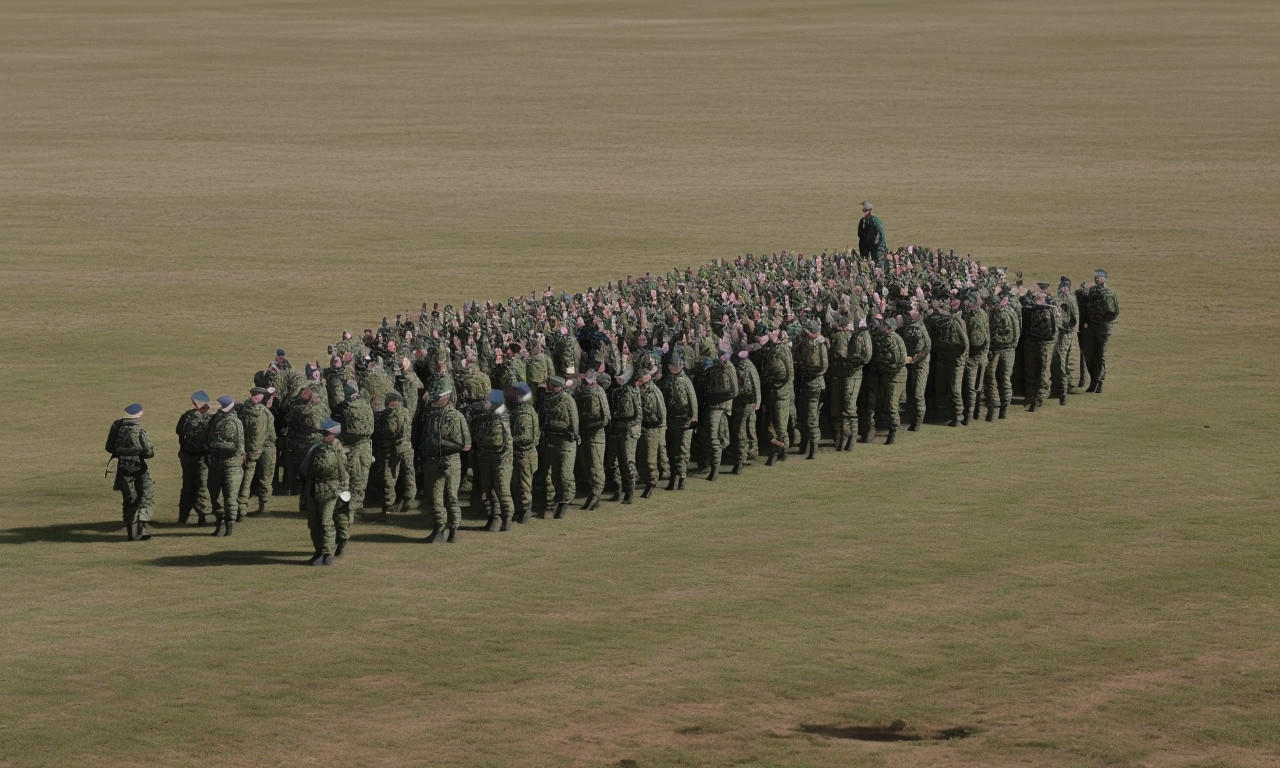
(619, 387)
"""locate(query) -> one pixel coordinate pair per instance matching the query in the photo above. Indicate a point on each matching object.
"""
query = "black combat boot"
(965, 421)
(184, 517)
(316, 559)
(591, 499)
(227, 531)
(626, 497)
(326, 559)
(914, 426)
(865, 437)
(506, 525)
(217, 528)
(129, 531)
(737, 468)
(594, 505)
(889, 440)
(647, 492)
(715, 472)
(1032, 407)
(143, 533)
(453, 535)
(813, 448)
(438, 533)
(521, 516)
(848, 442)
(239, 515)
(772, 458)
(615, 496)
(201, 521)
(680, 484)
(671, 484)
(262, 507)
(492, 526)
(1062, 399)
(560, 510)
(977, 410)
(1093, 387)
(1003, 410)
(338, 550)
(991, 414)
(1098, 388)
(955, 422)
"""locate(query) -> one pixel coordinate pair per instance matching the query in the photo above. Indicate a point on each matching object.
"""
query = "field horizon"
(188, 187)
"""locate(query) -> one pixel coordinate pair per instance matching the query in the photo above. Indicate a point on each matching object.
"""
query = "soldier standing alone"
(128, 443)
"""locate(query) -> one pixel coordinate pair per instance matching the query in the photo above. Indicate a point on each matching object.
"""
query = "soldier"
(226, 455)
(622, 435)
(373, 383)
(324, 473)
(393, 451)
(336, 377)
(259, 449)
(1069, 321)
(682, 417)
(720, 385)
(746, 407)
(1104, 310)
(281, 362)
(1041, 330)
(916, 337)
(1082, 307)
(409, 386)
(777, 372)
(127, 442)
(593, 418)
(524, 447)
(871, 243)
(811, 360)
(888, 369)
(508, 368)
(191, 429)
(653, 424)
(949, 337)
(558, 420)
(538, 367)
(978, 331)
(302, 423)
(357, 420)
(491, 432)
(441, 438)
(1006, 329)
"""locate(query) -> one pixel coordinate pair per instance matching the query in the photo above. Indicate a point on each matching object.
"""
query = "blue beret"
(199, 397)
(133, 411)
(329, 425)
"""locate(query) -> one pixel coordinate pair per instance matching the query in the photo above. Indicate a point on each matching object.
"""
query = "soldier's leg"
(753, 439)
(246, 482)
(502, 486)
(647, 455)
(736, 451)
(392, 485)
(593, 448)
(312, 508)
(896, 385)
(360, 475)
(328, 505)
(1083, 342)
(407, 485)
(1101, 340)
(233, 473)
(433, 479)
(193, 479)
(524, 464)
(1005, 372)
(916, 398)
(1045, 366)
(611, 450)
(212, 480)
(266, 472)
(627, 458)
(542, 477)
(951, 382)
(129, 500)
(663, 460)
(563, 470)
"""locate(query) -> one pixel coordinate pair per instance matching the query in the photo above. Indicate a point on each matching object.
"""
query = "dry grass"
(186, 187)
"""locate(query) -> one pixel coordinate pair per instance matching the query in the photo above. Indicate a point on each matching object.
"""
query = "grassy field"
(186, 186)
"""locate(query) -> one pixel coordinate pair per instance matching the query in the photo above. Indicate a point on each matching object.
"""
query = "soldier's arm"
(662, 407)
(466, 433)
(573, 415)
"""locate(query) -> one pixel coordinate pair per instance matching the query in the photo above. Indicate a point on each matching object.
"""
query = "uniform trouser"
(137, 496)
(917, 379)
(195, 485)
(663, 463)
(715, 431)
(752, 414)
(293, 461)
(493, 476)
(1099, 337)
(359, 459)
(886, 392)
(397, 477)
(949, 382)
(224, 487)
(780, 408)
(257, 475)
(441, 478)
(321, 506)
(648, 450)
(524, 462)
(620, 456)
(1037, 368)
(793, 423)
(999, 386)
(808, 403)
(1081, 344)
(1063, 376)
(560, 454)
(842, 402)
(678, 445)
(591, 455)
(975, 373)
(742, 415)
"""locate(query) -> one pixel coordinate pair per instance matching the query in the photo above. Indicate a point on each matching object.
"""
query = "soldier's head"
(440, 393)
(200, 400)
(392, 399)
(866, 208)
(519, 393)
(497, 401)
(1099, 276)
(226, 403)
(812, 328)
(132, 411)
(405, 365)
(257, 394)
(350, 392)
(555, 384)
(306, 395)
(346, 335)
(330, 429)
(280, 358)
(1064, 285)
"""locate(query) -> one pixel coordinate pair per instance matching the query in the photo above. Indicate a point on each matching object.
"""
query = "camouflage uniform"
(1041, 332)
(950, 340)
(777, 374)
(558, 419)
(302, 424)
(226, 467)
(393, 449)
(593, 418)
(524, 455)
(357, 420)
(1069, 314)
(653, 428)
(1000, 363)
(746, 406)
(444, 435)
(888, 377)
(374, 385)
(919, 345)
(191, 430)
(977, 329)
(260, 452)
(682, 412)
(324, 469)
(127, 441)
(811, 362)
(1103, 311)
(491, 433)
(622, 437)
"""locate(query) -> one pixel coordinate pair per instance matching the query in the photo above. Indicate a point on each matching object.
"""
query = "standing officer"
(128, 443)
(324, 479)
(871, 243)
(226, 465)
(777, 372)
(491, 433)
(1069, 316)
(443, 436)
(889, 360)
(259, 449)
(653, 423)
(1006, 329)
(622, 435)
(191, 429)
(811, 360)
(1104, 310)
(682, 417)
(524, 447)
(558, 420)
(393, 445)
(593, 417)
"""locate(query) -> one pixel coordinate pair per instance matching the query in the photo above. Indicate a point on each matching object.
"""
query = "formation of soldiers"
(621, 387)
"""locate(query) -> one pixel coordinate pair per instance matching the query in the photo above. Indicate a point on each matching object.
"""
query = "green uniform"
(977, 328)
(871, 242)
(525, 436)
(302, 424)
(622, 437)
(1005, 331)
(259, 452)
(593, 418)
(1041, 330)
(888, 377)
(777, 373)
(682, 411)
(393, 447)
(950, 339)
(324, 469)
(226, 465)
(374, 386)
(653, 429)
(558, 419)
(194, 497)
(128, 442)
(746, 406)
(919, 345)
(1103, 311)
(1064, 376)
(444, 435)
(491, 432)
(811, 362)
(357, 420)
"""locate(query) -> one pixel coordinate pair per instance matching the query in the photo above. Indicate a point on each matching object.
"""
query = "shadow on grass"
(386, 538)
(233, 557)
(67, 533)
(896, 731)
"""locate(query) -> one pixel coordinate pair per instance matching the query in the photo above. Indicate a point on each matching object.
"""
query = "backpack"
(590, 409)
(1004, 327)
(808, 353)
(746, 382)
(720, 380)
(860, 348)
(679, 405)
(950, 334)
(491, 437)
(1041, 323)
(222, 437)
(840, 347)
(622, 403)
(357, 422)
(979, 329)
(887, 355)
(191, 431)
(1104, 307)
(557, 418)
(775, 368)
(537, 370)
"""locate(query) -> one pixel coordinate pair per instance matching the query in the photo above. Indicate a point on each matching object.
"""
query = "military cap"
(279, 353)
(676, 358)
(392, 397)
(521, 391)
(602, 378)
(199, 397)
(555, 381)
(866, 205)
(350, 388)
(496, 397)
(812, 326)
(226, 403)
(133, 410)
(762, 332)
(1064, 280)
(258, 391)
(440, 388)
(308, 370)
(1102, 273)
(331, 426)
(1043, 286)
